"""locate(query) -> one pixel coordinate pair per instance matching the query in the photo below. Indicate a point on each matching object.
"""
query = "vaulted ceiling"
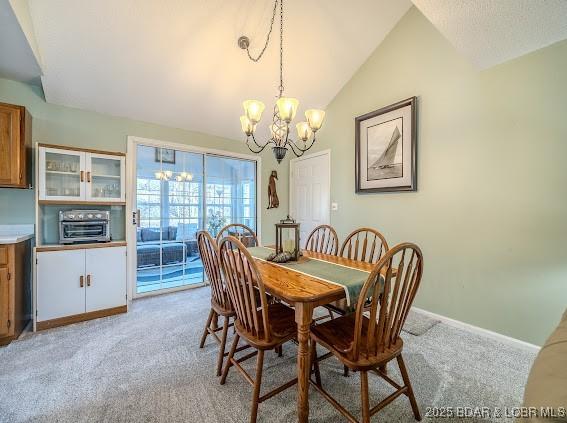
(177, 63)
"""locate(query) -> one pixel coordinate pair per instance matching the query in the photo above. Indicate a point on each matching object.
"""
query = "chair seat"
(337, 336)
(221, 310)
(282, 327)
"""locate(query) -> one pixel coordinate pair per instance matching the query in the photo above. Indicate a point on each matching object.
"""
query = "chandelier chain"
(257, 58)
(281, 87)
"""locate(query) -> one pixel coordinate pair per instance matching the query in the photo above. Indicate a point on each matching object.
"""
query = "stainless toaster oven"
(84, 226)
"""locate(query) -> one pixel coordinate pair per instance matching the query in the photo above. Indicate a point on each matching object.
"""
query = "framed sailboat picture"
(386, 149)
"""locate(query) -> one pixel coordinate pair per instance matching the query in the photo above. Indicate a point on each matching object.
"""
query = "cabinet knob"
(82, 176)
(88, 280)
(88, 176)
(81, 281)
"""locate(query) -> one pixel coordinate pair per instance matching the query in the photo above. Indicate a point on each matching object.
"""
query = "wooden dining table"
(304, 293)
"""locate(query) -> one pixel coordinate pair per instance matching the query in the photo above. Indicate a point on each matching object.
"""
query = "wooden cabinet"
(15, 146)
(80, 284)
(15, 289)
(77, 175)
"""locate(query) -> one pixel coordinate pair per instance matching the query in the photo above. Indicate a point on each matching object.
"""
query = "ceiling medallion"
(283, 112)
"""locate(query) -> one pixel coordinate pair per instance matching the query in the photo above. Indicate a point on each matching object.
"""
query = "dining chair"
(263, 325)
(220, 300)
(369, 339)
(323, 239)
(364, 244)
(241, 232)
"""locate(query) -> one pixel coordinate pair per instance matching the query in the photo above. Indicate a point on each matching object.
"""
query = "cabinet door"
(60, 284)
(106, 278)
(105, 178)
(10, 166)
(4, 302)
(61, 174)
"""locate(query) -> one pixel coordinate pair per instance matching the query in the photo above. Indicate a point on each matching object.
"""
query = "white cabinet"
(69, 175)
(73, 282)
(105, 278)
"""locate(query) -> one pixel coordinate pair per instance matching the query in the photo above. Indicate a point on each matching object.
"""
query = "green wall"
(65, 126)
(490, 212)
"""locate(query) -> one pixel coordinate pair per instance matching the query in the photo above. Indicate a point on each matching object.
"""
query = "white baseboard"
(480, 331)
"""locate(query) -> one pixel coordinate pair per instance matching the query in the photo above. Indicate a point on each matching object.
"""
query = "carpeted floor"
(146, 366)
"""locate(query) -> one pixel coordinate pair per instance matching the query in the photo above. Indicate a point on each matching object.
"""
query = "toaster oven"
(84, 226)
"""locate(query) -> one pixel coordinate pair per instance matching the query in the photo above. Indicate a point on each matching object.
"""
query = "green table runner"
(351, 280)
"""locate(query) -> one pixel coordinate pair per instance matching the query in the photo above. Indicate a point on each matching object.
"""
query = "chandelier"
(166, 175)
(283, 112)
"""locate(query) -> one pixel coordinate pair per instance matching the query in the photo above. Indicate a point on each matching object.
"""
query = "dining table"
(316, 279)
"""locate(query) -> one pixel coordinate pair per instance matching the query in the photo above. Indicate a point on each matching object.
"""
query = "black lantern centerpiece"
(286, 241)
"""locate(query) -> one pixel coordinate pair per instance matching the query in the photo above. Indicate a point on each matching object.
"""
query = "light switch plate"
(334, 206)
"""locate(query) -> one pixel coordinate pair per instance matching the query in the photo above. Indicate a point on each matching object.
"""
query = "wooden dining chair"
(364, 244)
(241, 232)
(263, 325)
(370, 338)
(220, 300)
(323, 239)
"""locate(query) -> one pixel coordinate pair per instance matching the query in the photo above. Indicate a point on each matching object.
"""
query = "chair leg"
(257, 384)
(206, 331)
(222, 346)
(411, 395)
(229, 359)
(345, 371)
(383, 369)
(364, 395)
(314, 362)
(330, 314)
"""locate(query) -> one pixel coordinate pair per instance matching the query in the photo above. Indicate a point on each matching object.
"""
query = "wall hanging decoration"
(165, 155)
(283, 113)
(273, 200)
(386, 149)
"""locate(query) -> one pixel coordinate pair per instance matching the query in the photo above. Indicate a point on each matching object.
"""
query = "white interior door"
(105, 278)
(60, 284)
(310, 186)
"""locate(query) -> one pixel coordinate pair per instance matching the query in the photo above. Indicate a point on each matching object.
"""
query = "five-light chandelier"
(283, 113)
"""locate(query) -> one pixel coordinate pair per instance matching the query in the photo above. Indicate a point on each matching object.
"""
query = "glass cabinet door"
(105, 178)
(61, 174)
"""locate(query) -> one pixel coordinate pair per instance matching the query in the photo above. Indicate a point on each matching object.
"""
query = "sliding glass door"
(179, 193)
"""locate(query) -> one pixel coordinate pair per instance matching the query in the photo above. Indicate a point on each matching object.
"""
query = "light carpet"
(146, 366)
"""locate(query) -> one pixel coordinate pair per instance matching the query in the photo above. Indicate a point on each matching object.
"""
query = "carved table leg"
(303, 317)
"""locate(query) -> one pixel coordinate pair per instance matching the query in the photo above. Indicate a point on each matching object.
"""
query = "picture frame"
(165, 155)
(386, 149)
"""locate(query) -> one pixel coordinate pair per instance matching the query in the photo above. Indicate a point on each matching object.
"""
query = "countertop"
(12, 234)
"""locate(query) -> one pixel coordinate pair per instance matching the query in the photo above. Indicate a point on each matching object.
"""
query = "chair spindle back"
(209, 253)
(392, 293)
(245, 288)
(323, 239)
(241, 232)
(364, 244)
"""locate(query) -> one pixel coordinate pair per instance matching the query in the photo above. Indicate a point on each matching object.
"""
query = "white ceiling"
(490, 32)
(17, 58)
(177, 62)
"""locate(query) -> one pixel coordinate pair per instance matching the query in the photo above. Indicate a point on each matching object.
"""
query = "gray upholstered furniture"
(157, 247)
(547, 383)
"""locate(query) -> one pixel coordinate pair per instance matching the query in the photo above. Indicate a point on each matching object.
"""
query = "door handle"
(88, 280)
(136, 218)
(88, 176)
(82, 281)
(82, 176)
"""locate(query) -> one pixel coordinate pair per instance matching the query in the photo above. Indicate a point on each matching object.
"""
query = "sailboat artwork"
(385, 143)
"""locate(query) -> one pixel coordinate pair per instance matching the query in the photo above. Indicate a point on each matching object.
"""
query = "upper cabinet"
(72, 175)
(15, 146)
